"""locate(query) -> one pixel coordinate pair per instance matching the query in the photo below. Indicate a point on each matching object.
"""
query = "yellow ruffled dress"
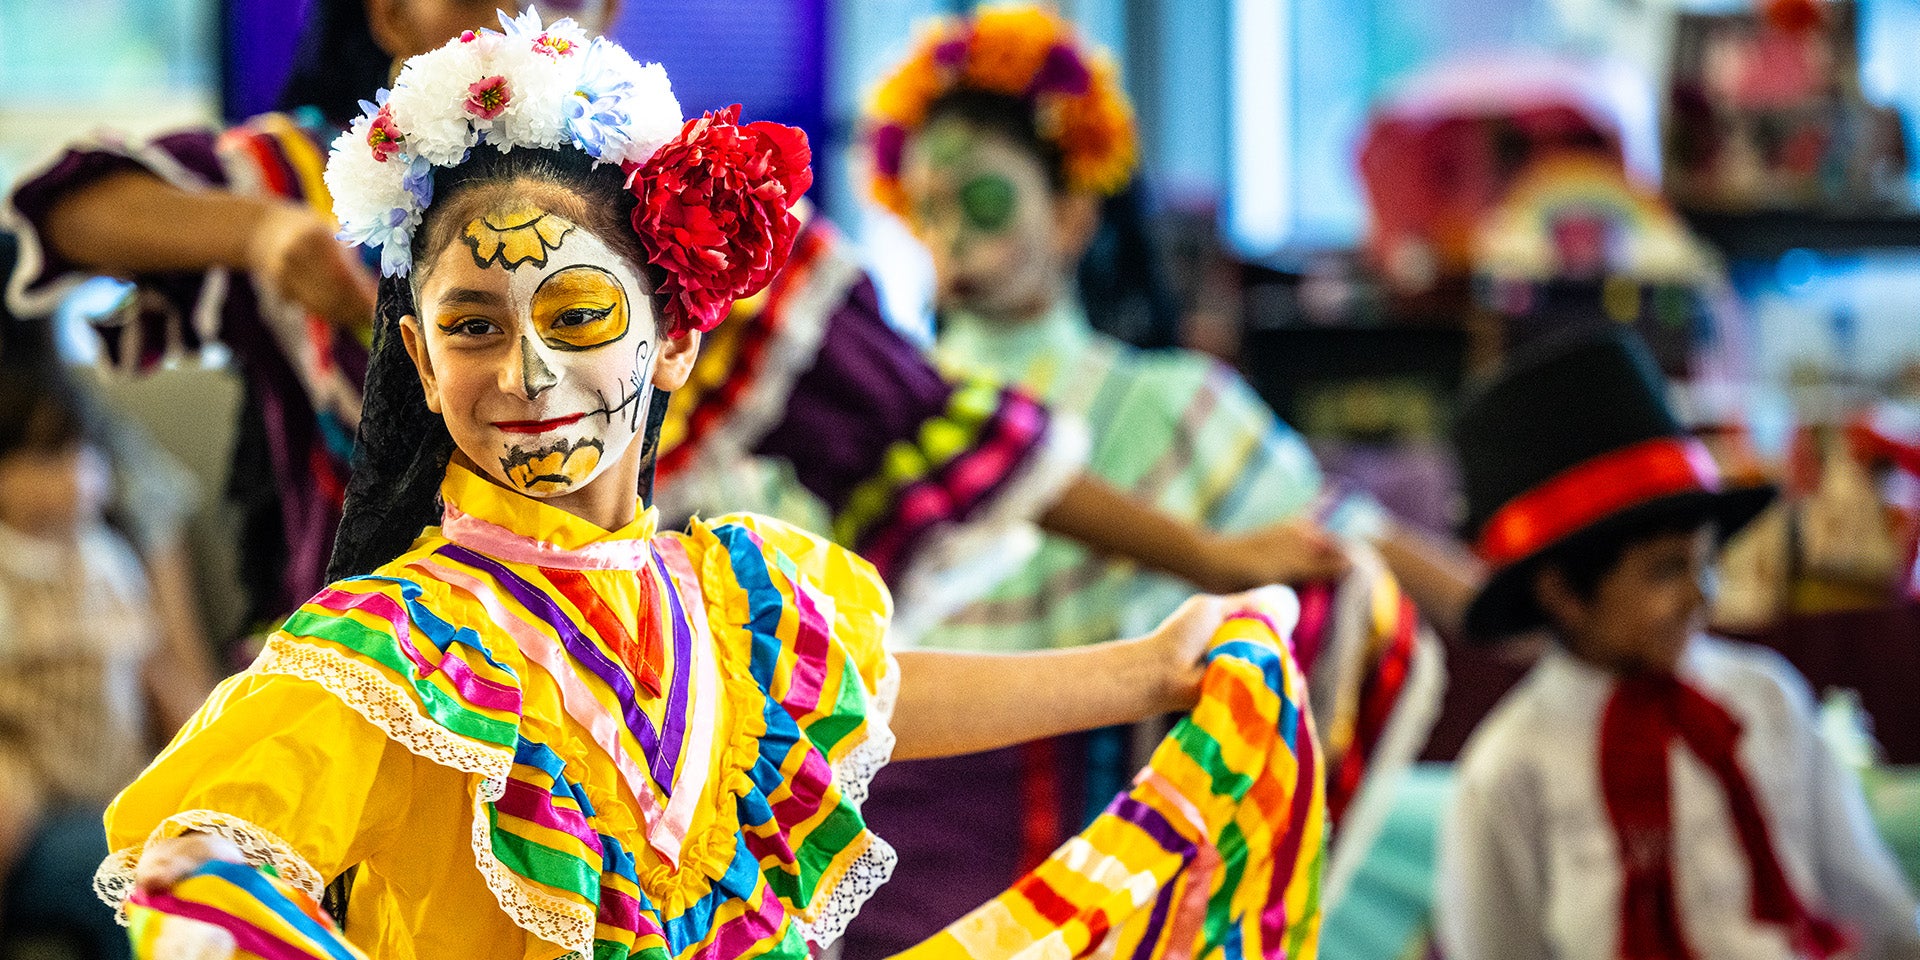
(533, 737)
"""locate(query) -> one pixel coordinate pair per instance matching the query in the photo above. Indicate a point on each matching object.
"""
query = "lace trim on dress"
(383, 703)
(113, 882)
(848, 892)
(854, 772)
(843, 894)
(563, 922)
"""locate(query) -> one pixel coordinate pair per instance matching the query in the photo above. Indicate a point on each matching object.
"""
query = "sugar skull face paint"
(984, 208)
(537, 362)
(524, 235)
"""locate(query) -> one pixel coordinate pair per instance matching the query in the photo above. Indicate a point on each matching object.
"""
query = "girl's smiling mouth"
(537, 426)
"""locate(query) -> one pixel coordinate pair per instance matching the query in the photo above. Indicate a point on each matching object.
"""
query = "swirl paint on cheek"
(526, 234)
(628, 399)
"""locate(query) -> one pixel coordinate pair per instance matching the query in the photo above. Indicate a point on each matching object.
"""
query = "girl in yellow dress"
(546, 728)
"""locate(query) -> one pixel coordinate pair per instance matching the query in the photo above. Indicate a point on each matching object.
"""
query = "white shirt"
(1529, 867)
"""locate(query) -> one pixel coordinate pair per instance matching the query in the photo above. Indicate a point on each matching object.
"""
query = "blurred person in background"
(999, 142)
(92, 674)
(1648, 791)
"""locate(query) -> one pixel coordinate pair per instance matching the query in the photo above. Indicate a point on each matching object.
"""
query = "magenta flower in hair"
(383, 136)
(488, 98)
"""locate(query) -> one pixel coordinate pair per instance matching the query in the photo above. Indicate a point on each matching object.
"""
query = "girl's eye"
(470, 327)
(580, 316)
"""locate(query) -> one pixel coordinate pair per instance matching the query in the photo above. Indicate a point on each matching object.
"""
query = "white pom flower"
(537, 115)
(620, 111)
(378, 202)
(528, 86)
(429, 101)
(654, 112)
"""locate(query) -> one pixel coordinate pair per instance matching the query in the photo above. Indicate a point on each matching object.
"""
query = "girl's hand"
(169, 861)
(1289, 552)
(292, 251)
(1180, 643)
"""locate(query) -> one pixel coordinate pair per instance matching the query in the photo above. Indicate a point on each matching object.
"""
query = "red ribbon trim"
(1590, 492)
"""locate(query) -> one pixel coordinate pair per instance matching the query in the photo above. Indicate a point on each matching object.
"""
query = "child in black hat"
(1648, 791)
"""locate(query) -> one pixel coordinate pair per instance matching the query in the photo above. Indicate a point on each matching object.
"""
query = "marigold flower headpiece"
(1022, 52)
(714, 196)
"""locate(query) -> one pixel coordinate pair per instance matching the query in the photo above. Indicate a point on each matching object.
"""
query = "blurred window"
(71, 67)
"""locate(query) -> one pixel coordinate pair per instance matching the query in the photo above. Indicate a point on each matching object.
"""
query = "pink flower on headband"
(551, 45)
(488, 98)
(716, 212)
(383, 136)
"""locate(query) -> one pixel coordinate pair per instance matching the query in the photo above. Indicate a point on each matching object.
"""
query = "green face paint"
(988, 202)
(947, 143)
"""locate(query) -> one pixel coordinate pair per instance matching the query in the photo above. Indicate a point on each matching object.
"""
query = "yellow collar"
(479, 497)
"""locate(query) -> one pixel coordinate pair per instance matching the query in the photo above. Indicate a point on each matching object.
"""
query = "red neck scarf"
(1645, 715)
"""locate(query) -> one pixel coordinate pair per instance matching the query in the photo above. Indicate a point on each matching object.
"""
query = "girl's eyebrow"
(470, 297)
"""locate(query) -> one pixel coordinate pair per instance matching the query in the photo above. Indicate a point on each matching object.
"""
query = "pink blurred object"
(1440, 152)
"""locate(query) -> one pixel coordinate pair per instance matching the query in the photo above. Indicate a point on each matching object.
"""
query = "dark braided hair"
(403, 447)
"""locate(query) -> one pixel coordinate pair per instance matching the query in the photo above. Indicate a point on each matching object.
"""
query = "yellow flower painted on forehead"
(526, 234)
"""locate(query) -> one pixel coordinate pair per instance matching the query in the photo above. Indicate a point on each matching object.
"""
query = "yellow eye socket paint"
(524, 235)
(580, 308)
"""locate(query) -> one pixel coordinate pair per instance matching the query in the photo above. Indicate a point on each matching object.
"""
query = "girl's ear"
(415, 341)
(675, 365)
(1557, 598)
(1076, 216)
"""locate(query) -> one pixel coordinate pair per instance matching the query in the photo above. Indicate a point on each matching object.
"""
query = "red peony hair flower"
(716, 212)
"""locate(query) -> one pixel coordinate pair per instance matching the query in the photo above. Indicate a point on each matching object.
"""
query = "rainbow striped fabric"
(1216, 851)
(656, 745)
(665, 736)
(227, 910)
(1174, 429)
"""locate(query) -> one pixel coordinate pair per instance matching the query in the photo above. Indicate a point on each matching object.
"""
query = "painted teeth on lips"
(537, 426)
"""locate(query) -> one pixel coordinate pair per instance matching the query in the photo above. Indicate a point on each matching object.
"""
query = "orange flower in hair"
(1024, 52)
(1009, 47)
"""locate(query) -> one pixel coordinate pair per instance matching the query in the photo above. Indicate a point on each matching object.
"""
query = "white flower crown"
(530, 86)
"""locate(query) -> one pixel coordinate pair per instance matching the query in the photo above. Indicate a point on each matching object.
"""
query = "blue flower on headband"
(597, 111)
(527, 25)
(419, 182)
(393, 234)
(371, 110)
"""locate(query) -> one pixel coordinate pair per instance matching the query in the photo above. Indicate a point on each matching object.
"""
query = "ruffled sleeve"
(1215, 850)
(277, 765)
(935, 480)
(811, 619)
(42, 278)
(271, 155)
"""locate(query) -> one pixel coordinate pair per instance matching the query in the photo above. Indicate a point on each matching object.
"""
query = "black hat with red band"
(1574, 440)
